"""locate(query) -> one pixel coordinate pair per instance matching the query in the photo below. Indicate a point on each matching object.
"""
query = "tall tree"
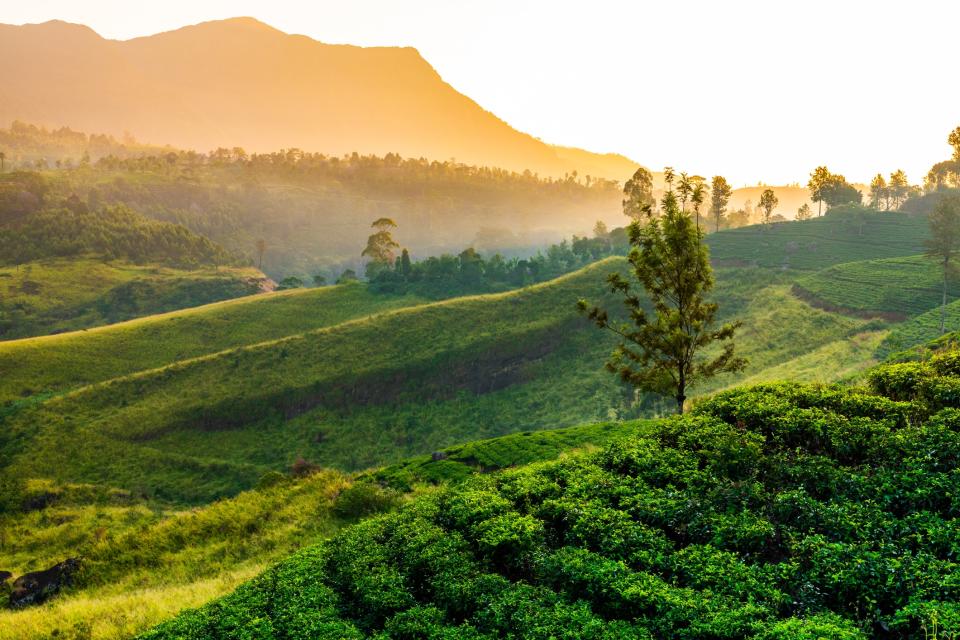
(3, 158)
(838, 191)
(261, 247)
(720, 192)
(804, 213)
(899, 188)
(818, 180)
(944, 242)
(879, 193)
(638, 194)
(380, 245)
(697, 196)
(768, 202)
(668, 177)
(954, 141)
(662, 352)
(685, 189)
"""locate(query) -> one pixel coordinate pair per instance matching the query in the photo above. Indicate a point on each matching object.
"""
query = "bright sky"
(754, 90)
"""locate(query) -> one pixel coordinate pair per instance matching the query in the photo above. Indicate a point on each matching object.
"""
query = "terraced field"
(896, 287)
(843, 235)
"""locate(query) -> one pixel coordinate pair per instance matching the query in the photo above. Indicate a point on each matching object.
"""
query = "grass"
(820, 242)
(66, 361)
(920, 330)
(896, 287)
(349, 398)
(56, 295)
(144, 564)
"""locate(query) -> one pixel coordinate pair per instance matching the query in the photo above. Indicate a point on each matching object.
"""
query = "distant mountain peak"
(241, 82)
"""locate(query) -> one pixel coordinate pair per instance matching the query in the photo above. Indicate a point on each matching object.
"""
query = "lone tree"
(944, 242)
(804, 213)
(661, 352)
(720, 192)
(380, 245)
(768, 202)
(638, 194)
(817, 184)
(3, 159)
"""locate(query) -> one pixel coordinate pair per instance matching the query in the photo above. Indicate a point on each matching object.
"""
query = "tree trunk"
(819, 208)
(943, 304)
(681, 390)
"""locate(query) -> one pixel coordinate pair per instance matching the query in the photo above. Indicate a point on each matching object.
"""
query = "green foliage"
(660, 354)
(364, 499)
(238, 398)
(778, 511)
(111, 232)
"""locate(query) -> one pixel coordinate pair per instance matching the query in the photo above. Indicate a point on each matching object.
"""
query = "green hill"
(65, 294)
(57, 363)
(896, 287)
(779, 511)
(144, 565)
(344, 396)
(846, 234)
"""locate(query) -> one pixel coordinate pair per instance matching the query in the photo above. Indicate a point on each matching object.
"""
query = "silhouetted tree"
(804, 212)
(697, 196)
(685, 189)
(944, 242)
(3, 158)
(661, 352)
(879, 193)
(720, 192)
(818, 181)
(768, 202)
(600, 229)
(899, 188)
(638, 194)
(380, 245)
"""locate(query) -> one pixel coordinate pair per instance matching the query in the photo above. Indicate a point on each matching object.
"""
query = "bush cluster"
(778, 511)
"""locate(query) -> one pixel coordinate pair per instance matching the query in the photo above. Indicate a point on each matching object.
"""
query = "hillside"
(239, 82)
(313, 211)
(779, 511)
(846, 234)
(896, 288)
(343, 397)
(62, 362)
(69, 263)
(66, 294)
(144, 565)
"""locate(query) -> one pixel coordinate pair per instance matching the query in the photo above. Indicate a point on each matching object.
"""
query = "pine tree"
(661, 352)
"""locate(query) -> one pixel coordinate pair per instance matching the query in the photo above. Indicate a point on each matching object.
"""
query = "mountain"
(239, 82)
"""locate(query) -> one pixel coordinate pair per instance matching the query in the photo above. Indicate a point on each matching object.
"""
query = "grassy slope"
(55, 295)
(773, 512)
(920, 330)
(901, 287)
(347, 397)
(205, 553)
(66, 361)
(821, 242)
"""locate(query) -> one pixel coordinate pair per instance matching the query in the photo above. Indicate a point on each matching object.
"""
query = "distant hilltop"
(240, 82)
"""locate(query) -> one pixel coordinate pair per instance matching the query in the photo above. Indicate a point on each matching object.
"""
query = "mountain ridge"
(241, 82)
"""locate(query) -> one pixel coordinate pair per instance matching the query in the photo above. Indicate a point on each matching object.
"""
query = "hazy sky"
(758, 91)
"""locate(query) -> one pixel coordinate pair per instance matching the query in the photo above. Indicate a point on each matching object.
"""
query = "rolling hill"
(239, 82)
(344, 397)
(770, 512)
(846, 234)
